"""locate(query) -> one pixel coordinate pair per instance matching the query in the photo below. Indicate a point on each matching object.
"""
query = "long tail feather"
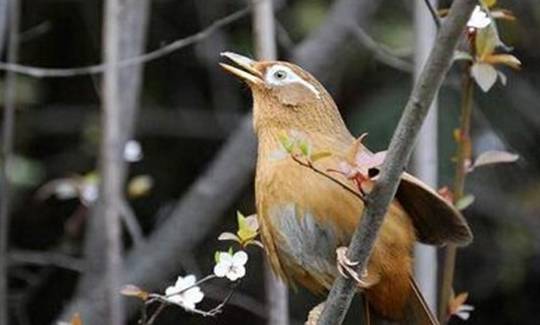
(418, 311)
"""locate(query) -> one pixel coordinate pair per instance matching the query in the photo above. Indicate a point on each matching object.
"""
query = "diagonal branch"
(38, 72)
(400, 149)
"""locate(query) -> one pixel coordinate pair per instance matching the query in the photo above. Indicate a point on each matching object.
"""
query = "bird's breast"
(304, 218)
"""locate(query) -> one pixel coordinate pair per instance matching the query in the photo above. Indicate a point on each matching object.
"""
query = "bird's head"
(285, 96)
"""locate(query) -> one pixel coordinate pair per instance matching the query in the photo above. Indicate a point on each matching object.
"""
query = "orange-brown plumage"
(304, 217)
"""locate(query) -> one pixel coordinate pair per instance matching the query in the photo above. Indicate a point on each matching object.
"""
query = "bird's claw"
(345, 268)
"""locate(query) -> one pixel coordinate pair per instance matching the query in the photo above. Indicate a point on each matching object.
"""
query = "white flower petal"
(177, 299)
(195, 295)
(502, 77)
(220, 269)
(463, 315)
(236, 273)
(479, 19)
(466, 308)
(485, 75)
(188, 304)
(89, 193)
(239, 258)
(171, 291)
(132, 151)
(65, 190)
(225, 257)
(228, 236)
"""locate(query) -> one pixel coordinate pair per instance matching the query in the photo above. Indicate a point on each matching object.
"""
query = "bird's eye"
(280, 75)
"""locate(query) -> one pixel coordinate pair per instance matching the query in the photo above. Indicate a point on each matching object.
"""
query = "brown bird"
(305, 217)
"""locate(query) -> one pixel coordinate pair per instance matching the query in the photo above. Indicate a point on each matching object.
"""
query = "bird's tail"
(416, 311)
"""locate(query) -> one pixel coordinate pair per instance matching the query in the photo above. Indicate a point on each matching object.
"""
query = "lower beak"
(248, 74)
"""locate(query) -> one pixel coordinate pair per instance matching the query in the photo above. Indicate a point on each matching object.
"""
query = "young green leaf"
(465, 202)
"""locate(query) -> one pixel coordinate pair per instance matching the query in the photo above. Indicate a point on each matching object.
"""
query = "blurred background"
(190, 166)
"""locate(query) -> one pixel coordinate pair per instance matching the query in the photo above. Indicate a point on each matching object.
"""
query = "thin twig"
(381, 52)
(8, 134)
(131, 222)
(463, 154)
(400, 149)
(39, 72)
(155, 315)
(433, 12)
(164, 301)
(346, 187)
(45, 259)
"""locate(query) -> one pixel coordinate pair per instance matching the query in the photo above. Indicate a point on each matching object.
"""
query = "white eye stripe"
(279, 75)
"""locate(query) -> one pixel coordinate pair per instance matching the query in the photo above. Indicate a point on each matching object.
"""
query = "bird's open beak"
(248, 74)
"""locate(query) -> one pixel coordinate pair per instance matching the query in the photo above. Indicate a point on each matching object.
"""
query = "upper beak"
(249, 74)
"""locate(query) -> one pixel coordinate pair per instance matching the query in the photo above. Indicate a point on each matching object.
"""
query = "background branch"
(400, 149)
(425, 160)
(8, 134)
(38, 72)
(111, 162)
(277, 294)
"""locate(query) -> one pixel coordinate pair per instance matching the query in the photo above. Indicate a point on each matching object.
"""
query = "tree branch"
(111, 163)
(400, 149)
(8, 134)
(38, 72)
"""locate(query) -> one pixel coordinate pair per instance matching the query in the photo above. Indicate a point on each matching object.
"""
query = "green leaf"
(286, 142)
(216, 256)
(245, 230)
(489, 3)
(465, 202)
(320, 155)
(305, 147)
(486, 41)
(461, 55)
(241, 219)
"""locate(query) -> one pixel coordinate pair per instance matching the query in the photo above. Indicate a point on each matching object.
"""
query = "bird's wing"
(437, 222)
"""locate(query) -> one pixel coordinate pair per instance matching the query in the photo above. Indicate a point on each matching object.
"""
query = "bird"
(307, 220)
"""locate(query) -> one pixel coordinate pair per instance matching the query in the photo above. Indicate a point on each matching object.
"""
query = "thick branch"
(400, 149)
(111, 163)
(131, 42)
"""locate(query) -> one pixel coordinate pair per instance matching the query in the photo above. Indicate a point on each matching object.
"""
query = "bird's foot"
(346, 268)
(315, 314)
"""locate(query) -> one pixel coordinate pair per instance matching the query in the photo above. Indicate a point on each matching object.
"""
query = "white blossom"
(479, 19)
(133, 151)
(184, 292)
(464, 311)
(231, 266)
(89, 192)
